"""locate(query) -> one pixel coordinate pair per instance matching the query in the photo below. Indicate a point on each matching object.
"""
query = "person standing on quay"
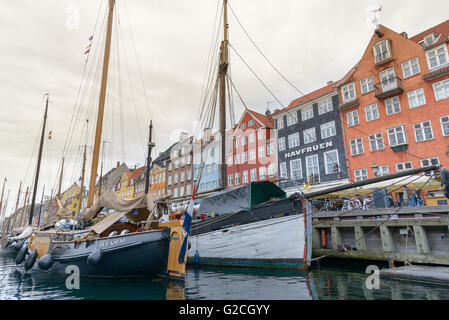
(445, 181)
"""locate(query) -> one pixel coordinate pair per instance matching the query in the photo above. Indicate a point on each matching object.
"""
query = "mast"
(17, 207)
(36, 178)
(80, 195)
(150, 147)
(224, 62)
(4, 212)
(60, 179)
(3, 190)
(40, 208)
(99, 126)
(24, 208)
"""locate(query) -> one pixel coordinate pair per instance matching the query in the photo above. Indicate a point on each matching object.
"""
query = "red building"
(251, 155)
(395, 103)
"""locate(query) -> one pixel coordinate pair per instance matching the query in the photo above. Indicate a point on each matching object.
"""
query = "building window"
(416, 98)
(352, 118)
(325, 106)
(175, 193)
(376, 142)
(261, 152)
(383, 171)
(262, 173)
(410, 68)
(237, 178)
(271, 170)
(252, 154)
(260, 134)
(169, 180)
(396, 136)
(367, 85)
(388, 80)
(403, 166)
(356, 146)
(361, 174)
(169, 166)
(250, 123)
(270, 149)
(253, 173)
(382, 51)
(292, 118)
(348, 92)
(430, 162)
(296, 169)
(243, 126)
(281, 144)
(280, 123)
(331, 162)
(245, 176)
(181, 191)
(188, 189)
(244, 157)
(392, 105)
(236, 159)
(283, 170)
(230, 179)
(176, 178)
(313, 169)
(371, 112)
(437, 57)
(176, 164)
(251, 137)
(244, 138)
(309, 135)
(182, 176)
(236, 142)
(441, 90)
(423, 131)
(445, 125)
(328, 129)
(230, 161)
(307, 113)
(293, 140)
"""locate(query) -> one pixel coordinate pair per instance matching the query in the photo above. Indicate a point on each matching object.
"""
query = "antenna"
(375, 19)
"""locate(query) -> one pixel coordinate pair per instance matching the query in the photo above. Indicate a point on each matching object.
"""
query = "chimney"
(379, 34)
(267, 112)
(404, 34)
(118, 164)
(184, 135)
(330, 82)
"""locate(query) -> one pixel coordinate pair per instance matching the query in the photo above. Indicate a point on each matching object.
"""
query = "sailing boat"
(257, 225)
(142, 246)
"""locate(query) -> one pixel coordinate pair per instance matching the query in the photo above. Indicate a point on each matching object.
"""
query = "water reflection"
(325, 283)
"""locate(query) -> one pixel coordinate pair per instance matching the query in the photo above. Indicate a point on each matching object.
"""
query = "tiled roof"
(441, 30)
(134, 173)
(164, 155)
(267, 121)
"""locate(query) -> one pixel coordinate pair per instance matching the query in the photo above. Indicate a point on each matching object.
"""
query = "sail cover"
(137, 209)
(241, 198)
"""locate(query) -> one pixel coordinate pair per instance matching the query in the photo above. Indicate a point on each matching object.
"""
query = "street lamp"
(375, 169)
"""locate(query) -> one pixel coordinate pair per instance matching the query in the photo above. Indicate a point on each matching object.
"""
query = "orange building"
(395, 103)
(157, 180)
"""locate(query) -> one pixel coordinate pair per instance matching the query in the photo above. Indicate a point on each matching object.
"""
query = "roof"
(441, 29)
(267, 121)
(164, 155)
(308, 97)
(134, 174)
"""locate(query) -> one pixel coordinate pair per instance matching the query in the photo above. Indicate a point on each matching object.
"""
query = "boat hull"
(273, 243)
(139, 254)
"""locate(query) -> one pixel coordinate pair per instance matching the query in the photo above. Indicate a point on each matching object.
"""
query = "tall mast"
(15, 211)
(224, 62)
(40, 208)
(80, 196)
(60, 179)
(99, 127)
(150, 147)
(24, 208)
(36, 178)
(4, 212)
(3, 190)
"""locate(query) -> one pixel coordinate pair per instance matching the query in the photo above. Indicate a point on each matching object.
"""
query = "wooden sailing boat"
(276, 233)
(142, 246)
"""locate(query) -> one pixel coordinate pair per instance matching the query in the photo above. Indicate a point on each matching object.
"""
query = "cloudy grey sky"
(42, 46)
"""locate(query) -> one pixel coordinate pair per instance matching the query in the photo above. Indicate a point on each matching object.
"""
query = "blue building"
(206, 160)
(310, 142)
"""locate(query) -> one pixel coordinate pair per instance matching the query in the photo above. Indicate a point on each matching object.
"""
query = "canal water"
(323, 283)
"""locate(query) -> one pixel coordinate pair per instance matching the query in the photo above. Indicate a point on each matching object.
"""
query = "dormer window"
(437, 57)
(348, 92)
(382, 51)
(429, 40)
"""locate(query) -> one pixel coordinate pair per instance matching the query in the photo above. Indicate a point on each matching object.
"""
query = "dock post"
(360, 238)
(422, 245)
(387, 239)
(315, 238)
(336, 237)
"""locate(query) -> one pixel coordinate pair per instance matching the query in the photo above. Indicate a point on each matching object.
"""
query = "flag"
(49, 134)
(188, 217)
(87, 51)
(91, 37)
(88, 47)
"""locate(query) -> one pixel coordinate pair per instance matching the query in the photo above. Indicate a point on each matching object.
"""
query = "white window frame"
(245, 176)
(376, 139)
(294, 171)
(328, 129)
(422, 130)
(292, 118)
(283, 170)
(313, 168)
(251, 137)
(261, 151)
(371, 112)
(380, 55)
(352, 118)
(307, 113)
(291, 140)
(348, 92)
(393, 102)
(412, 66)
(325, 106)
(367, 84)
(328, 160)
(403, 164)
(237, 178)
(280, 123)
(442, 49)
(361, 174)
(444, 121)
(252, 154)
(230, 179)
(416, 98)
(395, 133)
(281, 144)
(262, 173)
(253, 174)
(444, 87)
(388, 79)
(358, 144)
(383, 170)
(309, 135)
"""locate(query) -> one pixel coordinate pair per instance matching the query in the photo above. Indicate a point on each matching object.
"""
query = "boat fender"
(190, 245)
(94, 258)
(31, 260)
(19, 245)
(21, 255)
(197, 257)
(46, 262)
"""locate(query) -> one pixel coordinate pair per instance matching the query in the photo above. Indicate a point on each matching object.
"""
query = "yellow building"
(126, 184)
(69, 198)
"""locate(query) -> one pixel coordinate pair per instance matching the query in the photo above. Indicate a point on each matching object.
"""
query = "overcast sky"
(42, 46)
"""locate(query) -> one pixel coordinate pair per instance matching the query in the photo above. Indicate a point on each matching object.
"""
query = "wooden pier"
(413, 234)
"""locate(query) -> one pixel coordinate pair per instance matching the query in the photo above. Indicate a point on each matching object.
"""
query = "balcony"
(399, 147)
(382, 58)
(388, 88)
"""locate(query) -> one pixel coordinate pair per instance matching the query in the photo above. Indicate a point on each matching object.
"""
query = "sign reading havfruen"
(313, 148)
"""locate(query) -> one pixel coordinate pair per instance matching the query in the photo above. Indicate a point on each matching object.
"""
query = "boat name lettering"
(112, 242)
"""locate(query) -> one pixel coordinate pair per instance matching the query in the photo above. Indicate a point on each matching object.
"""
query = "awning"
(108, 221)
